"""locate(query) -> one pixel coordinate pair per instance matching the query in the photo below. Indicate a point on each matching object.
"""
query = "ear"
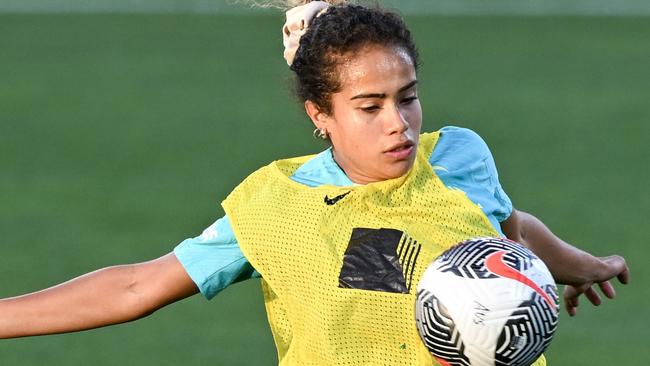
(318, 117)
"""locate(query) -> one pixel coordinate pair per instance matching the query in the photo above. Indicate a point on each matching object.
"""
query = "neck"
(342, 163)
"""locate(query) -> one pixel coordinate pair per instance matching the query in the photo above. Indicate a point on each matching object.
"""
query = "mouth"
(402, 150)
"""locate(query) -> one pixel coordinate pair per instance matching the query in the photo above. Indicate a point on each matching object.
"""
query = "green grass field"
(120, 135)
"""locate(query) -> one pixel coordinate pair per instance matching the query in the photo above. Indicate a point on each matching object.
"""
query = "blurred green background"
(121, 133)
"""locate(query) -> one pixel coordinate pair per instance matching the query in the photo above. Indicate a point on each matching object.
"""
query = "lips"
(402, 145)
(402, 150)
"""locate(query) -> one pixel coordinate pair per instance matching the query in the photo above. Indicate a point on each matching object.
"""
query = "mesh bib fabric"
(340, 264)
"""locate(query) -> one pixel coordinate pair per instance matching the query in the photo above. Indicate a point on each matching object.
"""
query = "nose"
(395, 121)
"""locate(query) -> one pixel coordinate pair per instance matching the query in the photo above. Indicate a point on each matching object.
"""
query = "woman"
(298, 223)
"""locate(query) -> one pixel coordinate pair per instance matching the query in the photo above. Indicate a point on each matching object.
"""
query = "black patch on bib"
(379, 260)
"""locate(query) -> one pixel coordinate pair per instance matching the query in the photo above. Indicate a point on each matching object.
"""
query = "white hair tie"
(298, 20)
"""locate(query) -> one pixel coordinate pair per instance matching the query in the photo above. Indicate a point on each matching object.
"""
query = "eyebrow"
(383, 95)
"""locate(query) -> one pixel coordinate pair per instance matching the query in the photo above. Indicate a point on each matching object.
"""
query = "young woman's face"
(376, 118)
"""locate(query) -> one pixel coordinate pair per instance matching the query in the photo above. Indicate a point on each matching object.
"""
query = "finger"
(616, 267)
(571, 306)
(571, 301)
(607, 289)
(572, 311)
(624, 276)
(571, 294)
(593, 296)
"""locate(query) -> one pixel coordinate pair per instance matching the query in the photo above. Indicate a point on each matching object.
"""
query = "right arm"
(108, 296)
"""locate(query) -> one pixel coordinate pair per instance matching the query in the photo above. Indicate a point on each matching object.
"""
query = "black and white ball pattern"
(485, 302)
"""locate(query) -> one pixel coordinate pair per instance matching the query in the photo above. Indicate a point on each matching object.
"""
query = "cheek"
(415, 116)
(353, 134)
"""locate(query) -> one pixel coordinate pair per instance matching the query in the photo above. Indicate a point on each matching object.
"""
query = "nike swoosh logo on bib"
(333, 201)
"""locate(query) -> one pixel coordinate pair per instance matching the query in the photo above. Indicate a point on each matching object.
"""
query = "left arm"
(569, 265)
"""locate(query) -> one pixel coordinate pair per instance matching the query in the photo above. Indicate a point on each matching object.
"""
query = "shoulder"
(309, 170)
(321, 169)
(461, 136)
(462, 159)
(458, 146)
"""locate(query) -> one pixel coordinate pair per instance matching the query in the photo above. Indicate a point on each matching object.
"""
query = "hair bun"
(286, 4)
(298, 20)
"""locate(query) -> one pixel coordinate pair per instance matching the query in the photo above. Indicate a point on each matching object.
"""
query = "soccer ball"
(487, 302)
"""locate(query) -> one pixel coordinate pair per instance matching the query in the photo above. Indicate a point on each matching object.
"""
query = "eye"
(370, 109)
(409, 100)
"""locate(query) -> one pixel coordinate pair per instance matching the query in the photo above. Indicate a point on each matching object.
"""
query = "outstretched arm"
(569, 265)
(108, 296)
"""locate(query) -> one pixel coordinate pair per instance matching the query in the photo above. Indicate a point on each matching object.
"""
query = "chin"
(399, 169)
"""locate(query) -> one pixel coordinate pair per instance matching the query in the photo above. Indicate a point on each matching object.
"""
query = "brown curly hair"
(342, 30)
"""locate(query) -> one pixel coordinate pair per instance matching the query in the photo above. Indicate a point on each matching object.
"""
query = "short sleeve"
(462, 160)
(213, 259)
(504, 209)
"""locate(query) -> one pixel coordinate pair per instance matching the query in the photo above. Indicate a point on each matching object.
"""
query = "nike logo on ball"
(333, 201)
(495, 264)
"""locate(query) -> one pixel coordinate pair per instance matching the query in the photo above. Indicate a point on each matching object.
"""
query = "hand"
(612, 266)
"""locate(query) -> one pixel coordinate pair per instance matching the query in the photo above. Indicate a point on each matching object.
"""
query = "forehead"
(376, 67)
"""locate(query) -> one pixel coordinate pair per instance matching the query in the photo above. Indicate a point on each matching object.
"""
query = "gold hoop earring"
(320, 133)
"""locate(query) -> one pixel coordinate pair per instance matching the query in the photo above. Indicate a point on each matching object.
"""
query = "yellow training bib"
(340, 265)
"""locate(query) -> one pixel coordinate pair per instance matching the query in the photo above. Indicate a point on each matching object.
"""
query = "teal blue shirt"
(461, 159)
